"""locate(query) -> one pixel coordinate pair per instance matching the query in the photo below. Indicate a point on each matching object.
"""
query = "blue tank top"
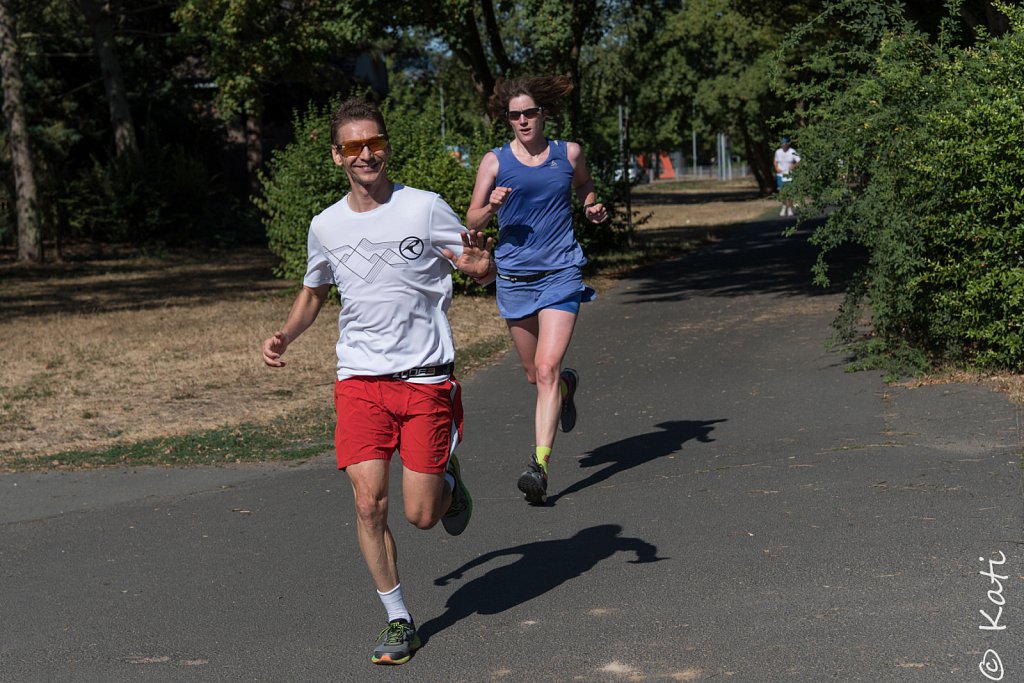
(535, 222)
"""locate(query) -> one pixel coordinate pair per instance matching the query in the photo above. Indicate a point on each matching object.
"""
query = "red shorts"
(377, 415)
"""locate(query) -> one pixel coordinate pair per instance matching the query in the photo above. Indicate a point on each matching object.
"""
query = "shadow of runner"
(543, 566)
(637, 450)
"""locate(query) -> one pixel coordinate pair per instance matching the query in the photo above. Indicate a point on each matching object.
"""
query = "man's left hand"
(476, 259)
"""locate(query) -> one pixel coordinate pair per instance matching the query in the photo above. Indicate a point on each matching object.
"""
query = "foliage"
(300, 181)
(167, 199)
(423, 73)
(421, 159)
(918, 159)
(251, 44)
(181, 192)
(707, 70)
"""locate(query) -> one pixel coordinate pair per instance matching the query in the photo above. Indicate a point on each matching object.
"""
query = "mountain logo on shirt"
(368, 259)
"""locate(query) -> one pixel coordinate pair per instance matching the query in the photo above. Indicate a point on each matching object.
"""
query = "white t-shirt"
(394, 283)
(786, 160)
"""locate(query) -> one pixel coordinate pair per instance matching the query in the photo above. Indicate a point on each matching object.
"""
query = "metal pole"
(728, 156)
(622, 134)
(720, 145)
(624, 113)
(693, 141)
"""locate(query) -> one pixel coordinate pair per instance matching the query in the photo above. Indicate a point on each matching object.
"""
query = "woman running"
(528, 183)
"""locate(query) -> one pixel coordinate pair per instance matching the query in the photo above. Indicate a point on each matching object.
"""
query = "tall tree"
(471, 31)
(503, 39)
(251, 45)
(30, 242)
(616, 68)
(102, 26)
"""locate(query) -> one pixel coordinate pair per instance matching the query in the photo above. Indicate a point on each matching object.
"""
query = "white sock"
(394, 603)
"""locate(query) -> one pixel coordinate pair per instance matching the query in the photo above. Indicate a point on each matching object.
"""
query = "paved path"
(733, 505)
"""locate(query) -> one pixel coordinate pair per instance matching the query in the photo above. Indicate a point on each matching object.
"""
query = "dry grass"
(703, 205)
(108, 362)
(1009, 384)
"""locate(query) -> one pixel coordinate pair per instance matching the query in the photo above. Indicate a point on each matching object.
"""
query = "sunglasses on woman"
(354, 148)
(530, 113)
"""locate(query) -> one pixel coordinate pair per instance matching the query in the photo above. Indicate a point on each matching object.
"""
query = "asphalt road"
(733, 505)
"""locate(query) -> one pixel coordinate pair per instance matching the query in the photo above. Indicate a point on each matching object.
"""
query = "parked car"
(636, 174)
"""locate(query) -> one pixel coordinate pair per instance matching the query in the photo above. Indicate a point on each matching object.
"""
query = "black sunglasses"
(530, 113)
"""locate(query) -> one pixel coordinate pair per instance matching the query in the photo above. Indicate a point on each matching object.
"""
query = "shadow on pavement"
(753, 257)
(543, 566)
(637, 450)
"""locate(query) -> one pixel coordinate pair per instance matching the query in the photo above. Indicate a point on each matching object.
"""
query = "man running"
(389, 249)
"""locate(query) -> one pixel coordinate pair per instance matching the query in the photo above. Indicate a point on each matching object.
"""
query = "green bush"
(975, 247)
(301, 181)
(167, 197)
(918, 159)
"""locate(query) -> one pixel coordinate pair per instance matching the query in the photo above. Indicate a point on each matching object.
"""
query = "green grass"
(40, 388)
(294, 438)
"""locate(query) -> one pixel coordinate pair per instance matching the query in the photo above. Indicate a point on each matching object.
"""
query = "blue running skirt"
(518, 300)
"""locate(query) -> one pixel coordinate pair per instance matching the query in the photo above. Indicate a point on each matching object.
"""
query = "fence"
(673, 165)
(710, 172)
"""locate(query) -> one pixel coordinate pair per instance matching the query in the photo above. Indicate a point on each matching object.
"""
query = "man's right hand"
(273, 348)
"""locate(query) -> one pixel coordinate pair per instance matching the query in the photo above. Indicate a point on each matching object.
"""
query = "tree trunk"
(582, 13)
(471, 53)
(30, 240)
(125, 141)
(253, 149)
(494, 35)
(759, 157)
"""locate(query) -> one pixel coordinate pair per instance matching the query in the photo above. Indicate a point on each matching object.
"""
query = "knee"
(422, 519)
(372, 511)
(424, 522)
(547, 374)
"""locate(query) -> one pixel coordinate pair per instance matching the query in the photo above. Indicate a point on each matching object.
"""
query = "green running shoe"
(456, 519)
(397, 643)
(568, 417)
